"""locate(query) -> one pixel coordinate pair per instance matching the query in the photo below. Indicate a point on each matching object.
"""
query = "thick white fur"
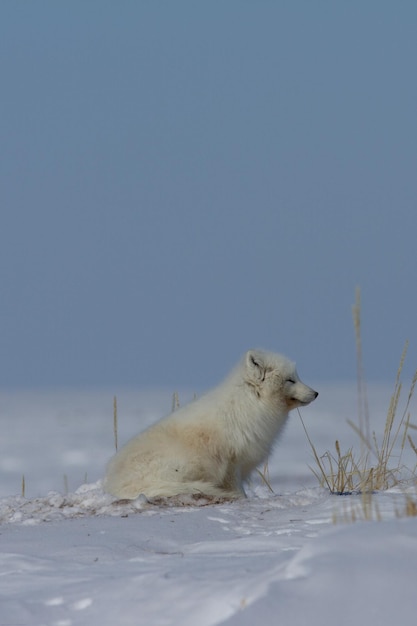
(212, 445)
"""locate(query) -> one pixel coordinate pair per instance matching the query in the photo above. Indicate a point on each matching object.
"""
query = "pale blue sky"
(181, 181)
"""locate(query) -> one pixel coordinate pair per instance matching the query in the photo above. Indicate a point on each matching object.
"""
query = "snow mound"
(87, 500)
(90, 500)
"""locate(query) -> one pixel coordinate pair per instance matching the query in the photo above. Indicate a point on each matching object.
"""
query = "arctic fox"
(210, 446)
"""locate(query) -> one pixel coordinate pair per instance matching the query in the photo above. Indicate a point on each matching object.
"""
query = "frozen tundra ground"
(70, 556)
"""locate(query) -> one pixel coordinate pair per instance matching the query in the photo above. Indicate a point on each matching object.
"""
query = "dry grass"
(115, 423)
(175, 402)
(264, 474)
(376, 467)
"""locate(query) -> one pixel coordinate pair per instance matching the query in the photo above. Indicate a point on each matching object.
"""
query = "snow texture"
(77, 557)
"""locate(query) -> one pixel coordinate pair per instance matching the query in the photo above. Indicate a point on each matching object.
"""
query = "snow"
(74, 557)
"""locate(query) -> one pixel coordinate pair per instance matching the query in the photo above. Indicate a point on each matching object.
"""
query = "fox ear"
(255, 365)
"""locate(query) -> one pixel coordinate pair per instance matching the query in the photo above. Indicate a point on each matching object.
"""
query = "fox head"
(273, 377)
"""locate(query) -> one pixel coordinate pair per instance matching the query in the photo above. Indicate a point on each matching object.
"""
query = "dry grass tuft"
(375, 468)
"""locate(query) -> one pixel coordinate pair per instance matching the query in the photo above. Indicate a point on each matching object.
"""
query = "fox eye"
(291, 380)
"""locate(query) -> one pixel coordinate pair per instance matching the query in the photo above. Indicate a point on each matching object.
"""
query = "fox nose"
(316, 393)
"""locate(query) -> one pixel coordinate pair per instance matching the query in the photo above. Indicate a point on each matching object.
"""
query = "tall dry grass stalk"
(363, 407)
(264, 474)
(115, 423)
(175, 402)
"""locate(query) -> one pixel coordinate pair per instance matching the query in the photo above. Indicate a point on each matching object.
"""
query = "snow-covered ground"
(69, 556)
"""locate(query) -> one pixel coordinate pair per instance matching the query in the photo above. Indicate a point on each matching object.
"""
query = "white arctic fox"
(211, 446)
